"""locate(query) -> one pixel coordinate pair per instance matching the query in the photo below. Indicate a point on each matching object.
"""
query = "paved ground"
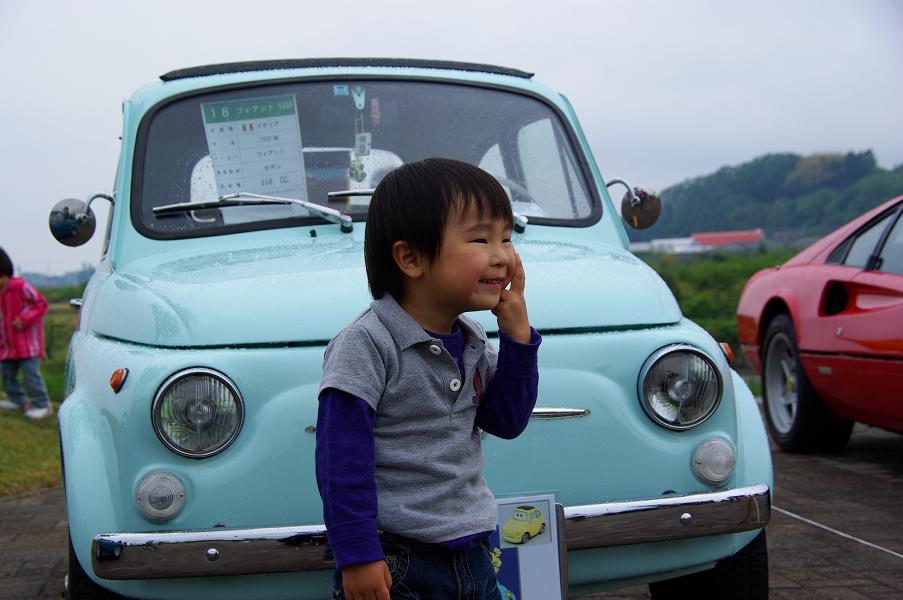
(856, 493)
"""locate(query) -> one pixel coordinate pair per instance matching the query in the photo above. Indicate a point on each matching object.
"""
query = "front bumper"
(171, 554)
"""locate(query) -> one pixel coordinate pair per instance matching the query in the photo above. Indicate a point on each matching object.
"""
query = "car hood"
(306, 292)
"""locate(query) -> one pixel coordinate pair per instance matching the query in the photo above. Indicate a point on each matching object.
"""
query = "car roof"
(294, 63)
(820, 250)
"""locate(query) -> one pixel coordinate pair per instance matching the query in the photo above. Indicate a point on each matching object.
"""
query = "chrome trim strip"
(172, 554)
(546, 412)
(671, 518)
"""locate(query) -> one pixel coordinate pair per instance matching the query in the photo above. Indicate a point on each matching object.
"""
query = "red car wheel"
(797, 418)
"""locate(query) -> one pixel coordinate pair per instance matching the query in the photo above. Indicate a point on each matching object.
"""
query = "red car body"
(844, 297)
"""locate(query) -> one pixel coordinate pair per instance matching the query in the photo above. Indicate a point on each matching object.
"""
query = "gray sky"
(665, 90)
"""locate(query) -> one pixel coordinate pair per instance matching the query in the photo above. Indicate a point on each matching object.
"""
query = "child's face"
(473, 264)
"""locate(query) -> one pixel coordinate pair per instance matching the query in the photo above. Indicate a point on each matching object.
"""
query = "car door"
(868, 332)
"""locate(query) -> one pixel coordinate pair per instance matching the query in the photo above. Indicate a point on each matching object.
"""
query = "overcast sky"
(666, 90)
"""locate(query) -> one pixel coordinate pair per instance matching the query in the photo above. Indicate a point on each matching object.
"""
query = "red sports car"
(825, 330)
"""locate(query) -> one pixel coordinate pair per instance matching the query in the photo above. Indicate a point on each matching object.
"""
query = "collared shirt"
(424, 420)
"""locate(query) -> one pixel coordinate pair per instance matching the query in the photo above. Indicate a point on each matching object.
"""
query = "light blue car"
(235, 252)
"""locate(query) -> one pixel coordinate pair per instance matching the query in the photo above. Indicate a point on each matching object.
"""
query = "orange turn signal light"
(728, 353)
(117, 380)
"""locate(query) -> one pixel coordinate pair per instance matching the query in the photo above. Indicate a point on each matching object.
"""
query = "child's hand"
(511, 311)
(367, 581)
(17, 324)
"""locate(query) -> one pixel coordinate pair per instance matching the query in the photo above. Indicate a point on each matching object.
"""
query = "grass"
(29, 450)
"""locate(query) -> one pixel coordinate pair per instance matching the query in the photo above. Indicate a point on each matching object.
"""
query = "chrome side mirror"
(639, 208)
(72, 222)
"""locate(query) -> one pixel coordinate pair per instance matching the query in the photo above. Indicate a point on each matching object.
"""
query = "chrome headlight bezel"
(654, 359)
(157, 405)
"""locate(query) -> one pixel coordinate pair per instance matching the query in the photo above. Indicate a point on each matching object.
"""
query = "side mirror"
(639, 208)
(72, 222)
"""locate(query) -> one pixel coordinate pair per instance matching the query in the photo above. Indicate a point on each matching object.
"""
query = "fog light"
(160, 497)
(713, 462)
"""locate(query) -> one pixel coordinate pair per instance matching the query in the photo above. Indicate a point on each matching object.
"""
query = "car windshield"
(304, 140)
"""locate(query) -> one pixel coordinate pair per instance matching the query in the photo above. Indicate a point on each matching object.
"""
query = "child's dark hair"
(412, 204)
(6, 265)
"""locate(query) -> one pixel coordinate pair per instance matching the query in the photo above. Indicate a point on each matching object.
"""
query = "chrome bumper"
(170, 554)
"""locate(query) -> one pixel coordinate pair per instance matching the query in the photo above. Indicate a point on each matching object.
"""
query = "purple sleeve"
(505, 410)
(346, 465)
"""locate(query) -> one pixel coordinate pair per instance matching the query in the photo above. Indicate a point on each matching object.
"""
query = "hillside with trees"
(788, 195)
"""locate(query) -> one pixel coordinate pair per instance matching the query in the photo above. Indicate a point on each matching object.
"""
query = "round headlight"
(197, 412)
(680, 387)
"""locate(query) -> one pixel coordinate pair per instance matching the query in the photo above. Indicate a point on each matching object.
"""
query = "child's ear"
(409, 261)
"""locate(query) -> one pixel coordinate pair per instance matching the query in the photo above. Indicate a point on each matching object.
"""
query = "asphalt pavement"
(836, 530)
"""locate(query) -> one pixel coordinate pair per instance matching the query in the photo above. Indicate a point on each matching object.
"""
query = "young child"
(410, 384)
(22, 310)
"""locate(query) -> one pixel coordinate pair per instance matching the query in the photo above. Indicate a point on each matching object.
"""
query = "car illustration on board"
(526, 522)
(234, 253)
(825, 330)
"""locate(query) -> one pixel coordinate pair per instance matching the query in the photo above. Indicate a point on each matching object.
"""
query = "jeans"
(429, 572)
(31, 376)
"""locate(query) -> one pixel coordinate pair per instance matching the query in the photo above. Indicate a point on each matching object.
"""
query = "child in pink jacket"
(22, 310)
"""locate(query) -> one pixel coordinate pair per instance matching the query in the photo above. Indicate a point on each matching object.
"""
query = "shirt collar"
(406, 331)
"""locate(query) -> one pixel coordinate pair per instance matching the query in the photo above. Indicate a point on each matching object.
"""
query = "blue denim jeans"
(31, 377)
(429, 572)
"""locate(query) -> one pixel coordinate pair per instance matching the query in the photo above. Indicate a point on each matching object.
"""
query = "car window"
(891, 257)
(548, 173)
(864, 244)
(303, 140)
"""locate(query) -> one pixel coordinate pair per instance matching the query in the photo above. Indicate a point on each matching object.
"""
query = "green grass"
(29, 450)
(708, 288)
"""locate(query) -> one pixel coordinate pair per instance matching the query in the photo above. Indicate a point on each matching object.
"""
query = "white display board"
(255, 146)
(526, 549)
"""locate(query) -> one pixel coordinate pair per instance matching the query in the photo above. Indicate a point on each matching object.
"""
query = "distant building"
(686, 245)
(715, 239)
(700, 242)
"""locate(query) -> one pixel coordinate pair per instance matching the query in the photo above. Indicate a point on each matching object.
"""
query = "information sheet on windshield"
(255, 146)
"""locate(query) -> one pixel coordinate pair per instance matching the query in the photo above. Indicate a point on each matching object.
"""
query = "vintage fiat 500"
(234, 252)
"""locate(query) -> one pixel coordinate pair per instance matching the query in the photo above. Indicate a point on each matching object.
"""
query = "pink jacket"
(21, 300)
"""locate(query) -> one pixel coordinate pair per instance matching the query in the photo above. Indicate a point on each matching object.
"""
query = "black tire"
(81, 587)
(525, 538)
(542, 529)
(811, 427)
(743, 576)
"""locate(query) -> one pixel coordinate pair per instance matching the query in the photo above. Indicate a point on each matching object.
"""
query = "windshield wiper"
(346, 193)
(248, 199)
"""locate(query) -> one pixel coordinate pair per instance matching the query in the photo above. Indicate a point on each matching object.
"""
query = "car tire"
(525, 538)
(743, 576)
(798, 420)
(81, 587)
(542, 529)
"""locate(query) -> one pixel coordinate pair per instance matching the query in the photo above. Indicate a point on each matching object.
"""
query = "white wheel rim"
(781, 382)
